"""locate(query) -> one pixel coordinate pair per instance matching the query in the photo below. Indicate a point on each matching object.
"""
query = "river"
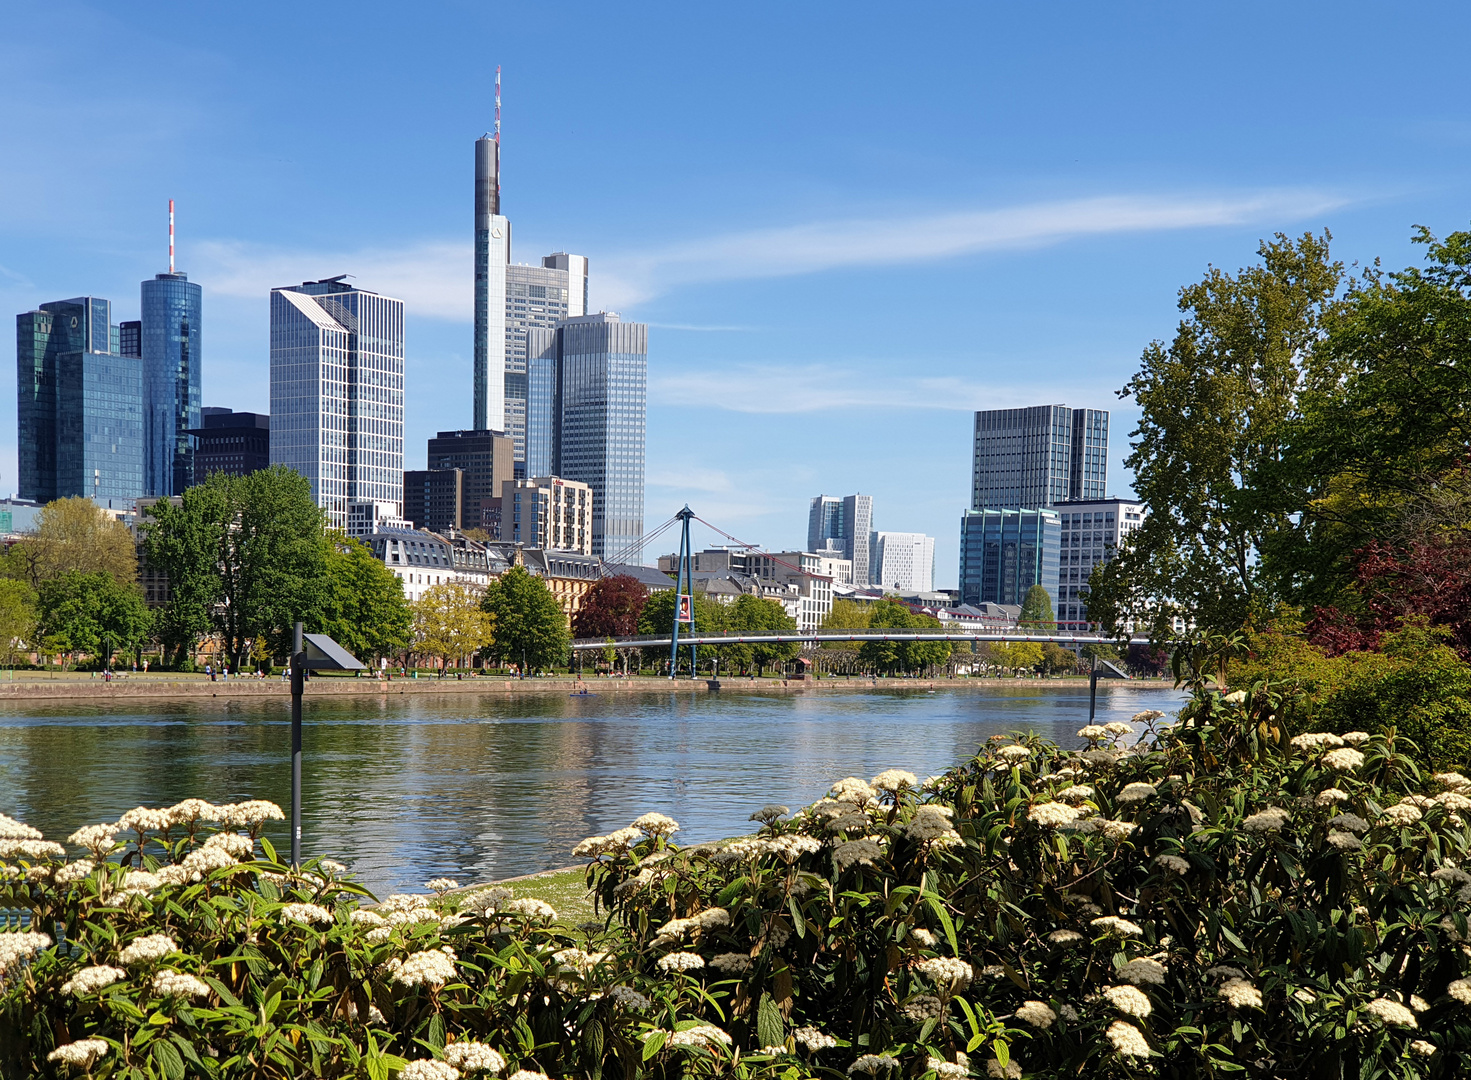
(481, 788)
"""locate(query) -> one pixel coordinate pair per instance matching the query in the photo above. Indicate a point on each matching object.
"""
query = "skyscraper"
(1038, 456)
(492, 256)
(902, 561)
(487, 460)
(844, 525)
(337, 395)
(79, 404)
(588, 416)
(1004, 552)
(170, 332)
(537, 297)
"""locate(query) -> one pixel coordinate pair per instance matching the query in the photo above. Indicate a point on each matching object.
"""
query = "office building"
(1004, 552)
(170, 332)
(843, 524)
(1091, 534)
(434, 499)
(487, 459)
(229, 442)
(805, 591)
(79, 404)
(586, 419)
(1038, 456)
(511, 300)
(337, 396)
(548, 512)
(902, 561)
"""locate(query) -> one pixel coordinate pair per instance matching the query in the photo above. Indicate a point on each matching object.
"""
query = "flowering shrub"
(1215, 899)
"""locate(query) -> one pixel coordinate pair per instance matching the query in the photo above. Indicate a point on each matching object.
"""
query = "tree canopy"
(1036, 610)
(449, 622)
(530, 629)
(611, 608)
(73, 534)
(92, 614)
(365, 610)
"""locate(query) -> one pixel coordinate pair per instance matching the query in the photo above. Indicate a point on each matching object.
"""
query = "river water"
(478, 788)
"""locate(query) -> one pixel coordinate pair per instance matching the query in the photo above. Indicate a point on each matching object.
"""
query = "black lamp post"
(1107, 671)
(317, 652)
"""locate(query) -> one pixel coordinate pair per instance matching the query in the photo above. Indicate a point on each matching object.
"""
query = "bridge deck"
(818, 636)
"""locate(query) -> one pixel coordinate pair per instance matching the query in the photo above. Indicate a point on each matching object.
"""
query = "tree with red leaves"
(611, 608)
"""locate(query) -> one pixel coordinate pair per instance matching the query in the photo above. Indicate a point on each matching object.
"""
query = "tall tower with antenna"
(171, 338)
(492, 256)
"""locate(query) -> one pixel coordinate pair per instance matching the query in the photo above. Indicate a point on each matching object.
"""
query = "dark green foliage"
(891, 656)
(1036, 610)
(530, 629)
(91, 614)
(365, 610)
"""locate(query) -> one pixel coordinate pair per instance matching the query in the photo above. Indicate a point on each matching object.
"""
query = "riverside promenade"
(29, 686)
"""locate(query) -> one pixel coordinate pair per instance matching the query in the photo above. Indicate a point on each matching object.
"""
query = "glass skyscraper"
(172, 371)
(337, 394)
(79, 414)
(537, 298)
(843, 525)
(1039, 456)
(586, 418)
(1004, 552)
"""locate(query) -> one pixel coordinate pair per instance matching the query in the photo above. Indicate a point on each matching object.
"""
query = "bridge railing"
(936, 633)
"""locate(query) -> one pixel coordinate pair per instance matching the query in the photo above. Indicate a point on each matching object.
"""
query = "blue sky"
(847, 224)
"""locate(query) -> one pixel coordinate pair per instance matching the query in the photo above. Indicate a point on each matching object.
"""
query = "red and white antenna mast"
(171, 236)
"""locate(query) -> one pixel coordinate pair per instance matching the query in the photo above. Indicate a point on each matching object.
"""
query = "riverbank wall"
(151, 686)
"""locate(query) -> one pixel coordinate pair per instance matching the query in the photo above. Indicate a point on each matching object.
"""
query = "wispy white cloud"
(785, 389)
(433, 277)
(702, 329)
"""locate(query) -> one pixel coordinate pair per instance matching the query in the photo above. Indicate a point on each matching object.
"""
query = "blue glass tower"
(1003, 553)
(79, 404)
(171, 381)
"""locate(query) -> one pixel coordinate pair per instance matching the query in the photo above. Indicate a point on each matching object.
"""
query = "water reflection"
(406, 789)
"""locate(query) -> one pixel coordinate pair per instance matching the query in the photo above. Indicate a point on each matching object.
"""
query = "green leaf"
(653, 1044)
(944, 916)
(770, 1031)
(270, 852)
(169, 1061)
(436, 1031)
(1003, 1053)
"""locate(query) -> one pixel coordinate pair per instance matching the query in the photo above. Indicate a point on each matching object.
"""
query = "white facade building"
(421, 559)
(1091, 532)
(904, 561)
(337, 394)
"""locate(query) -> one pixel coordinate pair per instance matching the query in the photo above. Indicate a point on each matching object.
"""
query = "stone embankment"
(152, 686)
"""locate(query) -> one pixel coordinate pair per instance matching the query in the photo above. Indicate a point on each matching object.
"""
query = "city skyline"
(1043, 223)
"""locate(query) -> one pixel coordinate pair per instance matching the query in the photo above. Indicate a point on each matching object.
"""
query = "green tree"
(92, 614)
(756, 614)
(1215, 407)
(847, 615)
(365, 611)
(1036, 610)
(888, 613)
(925, 655)
(249, 551)
(1058, 661)
(17, 619)
(1014, 656)
(657, 617)
(449, 622)
(74, 534)
(530, 629)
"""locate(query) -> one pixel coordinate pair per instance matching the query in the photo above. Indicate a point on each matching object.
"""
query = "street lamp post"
(319, 652)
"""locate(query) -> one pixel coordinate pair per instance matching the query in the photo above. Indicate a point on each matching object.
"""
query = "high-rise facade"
(537, 298)
(843, 524)
(1038, 456)
(79, 407)
(337, 395)
(492, 257)
(548, 512)
(434, 498)
(1091, 533)
(229, 442)
(904, 561)
(1004, 552)
(172, 380)
(487, 460)
(588, 415)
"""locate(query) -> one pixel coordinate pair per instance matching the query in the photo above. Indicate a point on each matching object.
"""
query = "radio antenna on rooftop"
(171, 236)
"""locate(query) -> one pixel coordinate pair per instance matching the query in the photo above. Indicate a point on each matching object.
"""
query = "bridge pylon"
(684, 595)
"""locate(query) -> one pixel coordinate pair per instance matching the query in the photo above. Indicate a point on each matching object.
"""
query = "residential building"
(1038, 456)
(568, 574)
(434, 498)
(588, 408)
(233, 443)
(419, 559)
(711, 560)
(651, 579)
(799, 573)
(79, 404)
(902, 560)
(843, 524)
(1091, 534)
(1004, 552)
(487, 459)
(170, 332)
(337, 393)
(548, 512)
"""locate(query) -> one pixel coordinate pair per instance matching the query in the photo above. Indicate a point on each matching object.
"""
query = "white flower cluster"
(1129, 1001)
(73, 872)
(1053, 814)
(432, 967)
(681, 961)
(1127, 1039)
(946, 972)
(1092, 732)
(615, 843)
(1064, 937)
(80, 1053)
(306, 914)
(531, 908)
(1137, 792)
(1348, 822)
(470, 1056)
(1330, 796)
(10, 829)
(1143, 972)
(32, 850)
(179, 984)
(577, 960)
(1272, 819)
(98, 839)
(429, 1069)
(677, 928)
(1118, 727)
(873, 1063)
(1401, 814)
(1345, 841)
(89, 980)
(1011, 1071)
(813, 1039)
(1240, 994)
(770, 813)
(925, 938)
(1013, 753)
(14, 947)
(1344, 759)
(150, 947)
(441, 885)
(702, 1035)
(1175, 864)
(1076, 793)
(528, 1074)
(1316, 740)
(931, 825)
(654, 824)
(629, 998)
(1116, 927)
(1391, 1012)
(1037, 1013)
(850, 789)
(1460, 989)
(894, 781)
(947, 1070)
